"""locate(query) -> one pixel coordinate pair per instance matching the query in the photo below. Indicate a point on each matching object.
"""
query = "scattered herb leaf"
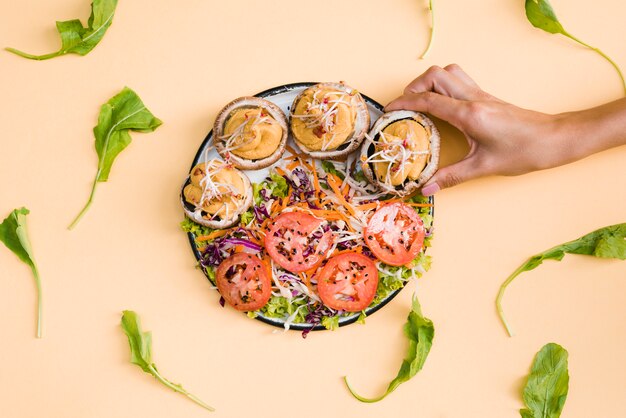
(432, 29)
(75, 38)
(420, 331)
(123, 113)
(14, 235)
(141, 353)
(546, 389)
(607, 242)
(541, 15)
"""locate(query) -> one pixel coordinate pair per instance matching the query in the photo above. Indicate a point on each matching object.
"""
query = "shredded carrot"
(331, 215)
(293, 165)
(215, 234)
(285, 202)
(333, 183)
(306, 279)
(274, 207)
(291, 150)
(368, 206)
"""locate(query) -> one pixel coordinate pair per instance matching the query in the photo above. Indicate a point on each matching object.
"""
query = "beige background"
(186, 60)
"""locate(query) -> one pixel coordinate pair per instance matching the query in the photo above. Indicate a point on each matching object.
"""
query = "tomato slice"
(244, 282)
(297, 242)
(348, 282)
(395, 234)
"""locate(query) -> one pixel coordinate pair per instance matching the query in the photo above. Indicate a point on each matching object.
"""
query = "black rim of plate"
(276, 321)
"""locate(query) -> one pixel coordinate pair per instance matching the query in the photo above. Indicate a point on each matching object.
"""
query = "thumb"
(450, 176)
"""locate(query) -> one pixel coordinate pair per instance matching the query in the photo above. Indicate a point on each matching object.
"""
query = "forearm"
(596, 129)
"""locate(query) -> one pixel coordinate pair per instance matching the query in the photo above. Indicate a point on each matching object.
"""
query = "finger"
(452, 175)
(443, 82)
(461, 74)
(443, 107)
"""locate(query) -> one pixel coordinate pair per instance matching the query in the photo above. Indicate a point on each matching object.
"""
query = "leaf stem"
(361, 398)
(432, 29)
(602, 54)
(501, 294)
(87, 205)
(39, 299)
(178, 389)
(36, 57)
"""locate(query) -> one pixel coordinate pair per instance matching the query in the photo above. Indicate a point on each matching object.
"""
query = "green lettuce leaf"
(14, 235)
(607, 242)
(123, 113)
(420, 331)
(547, 386)
(141, 354)
(77, 39)
(278, 186)
(331, 323)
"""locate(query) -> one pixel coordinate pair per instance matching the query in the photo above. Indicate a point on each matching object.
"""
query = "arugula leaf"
(329, 167)
(607, 242)
(546, 389)
(123, 113)
(541, 15)
(75, 38)
(420, 331)
(141, 353)
(14, 235)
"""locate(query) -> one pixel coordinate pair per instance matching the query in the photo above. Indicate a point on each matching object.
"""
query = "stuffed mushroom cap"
(401, 152)
(329, 120)
(251, 133)
(216, 194)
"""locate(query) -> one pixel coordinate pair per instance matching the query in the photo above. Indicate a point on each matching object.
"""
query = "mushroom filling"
(251, 133)
(324, 118)
(216, 190)
(401, 152)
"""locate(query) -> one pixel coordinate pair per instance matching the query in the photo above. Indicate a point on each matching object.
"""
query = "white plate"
(283, 96)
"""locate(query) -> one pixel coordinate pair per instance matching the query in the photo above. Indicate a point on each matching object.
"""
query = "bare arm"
(505, 139)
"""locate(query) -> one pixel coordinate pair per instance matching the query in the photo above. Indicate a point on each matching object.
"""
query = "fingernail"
(430, 189)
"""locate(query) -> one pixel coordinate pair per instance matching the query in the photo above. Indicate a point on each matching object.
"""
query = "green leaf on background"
(607, 242)
(541, 15)
(546, 389)
(420, 331)
(141, 353)
(123, 113)
(75, 38)
(14, 235)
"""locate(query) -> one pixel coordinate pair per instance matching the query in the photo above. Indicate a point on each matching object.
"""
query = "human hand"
(504, 139)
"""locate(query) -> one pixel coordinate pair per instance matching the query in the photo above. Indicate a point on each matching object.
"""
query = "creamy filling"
(324, 118)
(401, 152)
(216, 189)
(251, 133)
